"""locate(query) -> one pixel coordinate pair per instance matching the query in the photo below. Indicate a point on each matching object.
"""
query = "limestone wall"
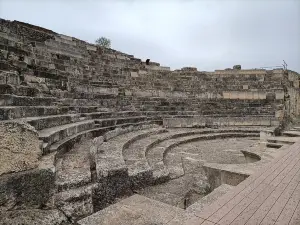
(68, 68)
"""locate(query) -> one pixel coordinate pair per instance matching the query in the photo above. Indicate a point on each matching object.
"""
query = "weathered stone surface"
(75, 203)
(114, 185)
(19, 147)
(33, 217)
(30, 189)
(209, 199)
(139, 210)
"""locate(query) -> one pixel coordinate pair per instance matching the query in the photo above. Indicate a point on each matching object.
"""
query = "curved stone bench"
(54, 134)
(112, 172)
(120, 120)
(75, 180)
(111, 151)
(152, 114)
(72, 171)
(44, 122)
(209, 120)
(74, 183)
(157, 150)
(102, 115)
(135, 154)
(66, 144)
(194, 138)
(58, 133)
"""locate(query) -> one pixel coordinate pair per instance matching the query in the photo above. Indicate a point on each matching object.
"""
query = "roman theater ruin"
(94, 136)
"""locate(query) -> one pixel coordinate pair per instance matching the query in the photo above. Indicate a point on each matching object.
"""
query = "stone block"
(143, 93)
(91, 48)
(123, 57)
(76, 203)
(248, 95)
(279, 95)
(262, 95)
(217, 177)
(12, 78)
(279, 114)
(29, 189)
(134, 74)
(194, 69)
(265, 122)
(128, 92)
(226, 95)
(65, 37)
(241, 95)
(113, 183)
(34, 79)
(209, 199)
(20, 147)
(234, 95)
(142, 72)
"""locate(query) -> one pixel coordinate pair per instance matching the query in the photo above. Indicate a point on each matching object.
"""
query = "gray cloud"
(209, 35)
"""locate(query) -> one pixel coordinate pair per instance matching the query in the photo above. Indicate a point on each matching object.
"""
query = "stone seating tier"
(14, 112)
(66, 68)
(141, 154)
(71, 91)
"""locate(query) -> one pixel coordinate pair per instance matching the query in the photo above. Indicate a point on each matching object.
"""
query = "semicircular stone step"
(110, 154)
(58, 133)
(157, 154)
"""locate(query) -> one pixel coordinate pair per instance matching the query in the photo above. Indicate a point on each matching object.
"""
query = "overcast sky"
(208, 35)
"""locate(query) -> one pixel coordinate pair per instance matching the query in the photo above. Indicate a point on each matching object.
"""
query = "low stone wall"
(217, 177)
(219, 121)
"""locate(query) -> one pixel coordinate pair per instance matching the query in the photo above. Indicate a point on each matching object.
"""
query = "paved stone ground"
(223, 151)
